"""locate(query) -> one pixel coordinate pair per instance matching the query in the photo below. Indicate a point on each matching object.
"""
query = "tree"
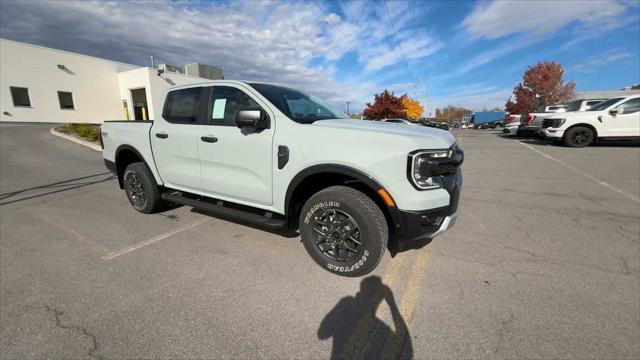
(412, 107)
(541, 84)
(451, 113)
(385, 105)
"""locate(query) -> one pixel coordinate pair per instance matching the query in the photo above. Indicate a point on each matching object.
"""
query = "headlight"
(558, 122)
(425, 168)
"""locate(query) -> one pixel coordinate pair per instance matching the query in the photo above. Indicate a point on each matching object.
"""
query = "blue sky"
(462, 53)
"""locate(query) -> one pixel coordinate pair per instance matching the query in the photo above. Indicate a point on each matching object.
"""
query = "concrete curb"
(88, 144)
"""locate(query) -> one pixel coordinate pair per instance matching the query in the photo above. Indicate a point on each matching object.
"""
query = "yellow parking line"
(393, 345)
(358, 339)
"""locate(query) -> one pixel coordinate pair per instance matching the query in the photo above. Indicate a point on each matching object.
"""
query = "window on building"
(66, 100)
(183, 106)
(20, 96)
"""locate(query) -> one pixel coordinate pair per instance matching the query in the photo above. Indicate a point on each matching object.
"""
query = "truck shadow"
(357, 332)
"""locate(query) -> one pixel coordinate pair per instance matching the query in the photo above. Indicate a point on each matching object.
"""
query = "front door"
(175, 137)
(625, 123)
(235, 164)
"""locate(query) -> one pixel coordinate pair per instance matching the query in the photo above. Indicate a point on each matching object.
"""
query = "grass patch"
(84, 131)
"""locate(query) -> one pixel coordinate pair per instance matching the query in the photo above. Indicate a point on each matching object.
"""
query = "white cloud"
(254, 40)
(597, 61)
(499, 18)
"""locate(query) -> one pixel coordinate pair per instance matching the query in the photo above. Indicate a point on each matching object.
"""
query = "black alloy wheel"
(135, 190)
(337, 234)
(579, 137)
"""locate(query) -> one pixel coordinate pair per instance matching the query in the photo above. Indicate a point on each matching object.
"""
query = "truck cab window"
(183, 105)
(629, 107)
(226, 101)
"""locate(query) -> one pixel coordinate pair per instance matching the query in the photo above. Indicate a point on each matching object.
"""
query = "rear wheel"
(344, 231)
(141, 188)
(579, 136)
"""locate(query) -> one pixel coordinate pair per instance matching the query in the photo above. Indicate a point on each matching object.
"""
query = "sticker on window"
(218, 108)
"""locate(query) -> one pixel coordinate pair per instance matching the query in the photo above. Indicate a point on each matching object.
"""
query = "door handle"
(209, 139)
(162, 135)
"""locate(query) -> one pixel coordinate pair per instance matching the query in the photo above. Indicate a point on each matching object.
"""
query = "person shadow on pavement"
(358, 333)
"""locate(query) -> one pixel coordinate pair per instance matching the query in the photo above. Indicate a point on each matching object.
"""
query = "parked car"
(583, 104)
(400, 121)
(617, 118)
(511, 124)
(482, 117)
(279, 158)
(533, 122)
(555, 108)
(435, 124)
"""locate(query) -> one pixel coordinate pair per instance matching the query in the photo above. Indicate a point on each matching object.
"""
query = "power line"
(395, 35)
(334, 24)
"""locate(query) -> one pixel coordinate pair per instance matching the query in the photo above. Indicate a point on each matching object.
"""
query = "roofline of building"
(69, 53)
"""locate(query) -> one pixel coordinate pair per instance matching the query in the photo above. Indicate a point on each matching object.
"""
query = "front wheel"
(344, 231)
(579, 136)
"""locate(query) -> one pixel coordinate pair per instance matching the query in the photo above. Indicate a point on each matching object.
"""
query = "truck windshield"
(298, 106)
(605, 104)
(574, 105)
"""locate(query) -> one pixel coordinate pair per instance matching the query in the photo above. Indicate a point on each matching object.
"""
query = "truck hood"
(439, 138)
(573, 114)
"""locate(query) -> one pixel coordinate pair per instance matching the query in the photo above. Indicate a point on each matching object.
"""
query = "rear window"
(183, 106)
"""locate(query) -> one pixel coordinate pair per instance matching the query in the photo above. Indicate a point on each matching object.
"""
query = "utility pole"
(348, 102)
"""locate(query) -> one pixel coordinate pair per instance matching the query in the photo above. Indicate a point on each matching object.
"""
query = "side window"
(594, 102)
(183, 106)
(226, 102)
(629, 107)
(20, 96)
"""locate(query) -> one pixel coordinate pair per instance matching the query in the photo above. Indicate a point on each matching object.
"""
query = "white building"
(39, 84)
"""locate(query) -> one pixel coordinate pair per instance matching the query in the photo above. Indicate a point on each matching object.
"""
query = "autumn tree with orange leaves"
(385, 105)
(412, 107)
(541, 84)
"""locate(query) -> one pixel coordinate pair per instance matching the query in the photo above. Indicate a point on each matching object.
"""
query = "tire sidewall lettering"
(318, 206)
(355, 266)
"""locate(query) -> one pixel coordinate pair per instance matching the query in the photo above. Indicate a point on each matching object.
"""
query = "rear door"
(235, 164)
(174, 139)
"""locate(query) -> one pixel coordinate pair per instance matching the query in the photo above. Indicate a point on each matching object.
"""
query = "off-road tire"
(373, 231)
(579, 136)
(152, 200)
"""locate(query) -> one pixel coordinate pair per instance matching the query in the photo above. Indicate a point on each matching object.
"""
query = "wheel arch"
(317, 177)
(125, 155)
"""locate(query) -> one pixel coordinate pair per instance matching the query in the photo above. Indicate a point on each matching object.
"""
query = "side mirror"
(613, 112)
(255, 119)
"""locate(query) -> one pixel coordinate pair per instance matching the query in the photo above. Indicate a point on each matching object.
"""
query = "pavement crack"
(94, 341)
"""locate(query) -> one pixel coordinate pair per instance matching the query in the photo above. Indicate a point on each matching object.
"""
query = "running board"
(219, 209)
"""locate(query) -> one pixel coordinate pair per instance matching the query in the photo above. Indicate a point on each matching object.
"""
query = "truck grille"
(547, 123)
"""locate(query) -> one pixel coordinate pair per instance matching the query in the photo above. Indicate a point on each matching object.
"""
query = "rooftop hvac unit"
(204, 71)
(171, 68)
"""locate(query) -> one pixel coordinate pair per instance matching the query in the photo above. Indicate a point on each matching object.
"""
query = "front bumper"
(419, 227)
(510, 130)
(552, 134)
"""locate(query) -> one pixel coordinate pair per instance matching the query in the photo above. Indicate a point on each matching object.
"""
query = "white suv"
(616, 118)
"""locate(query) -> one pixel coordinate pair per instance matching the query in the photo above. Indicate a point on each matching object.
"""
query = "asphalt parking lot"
(543, 263)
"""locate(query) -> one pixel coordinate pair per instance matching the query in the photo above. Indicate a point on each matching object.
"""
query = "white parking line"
(131, 248)
(590, 177)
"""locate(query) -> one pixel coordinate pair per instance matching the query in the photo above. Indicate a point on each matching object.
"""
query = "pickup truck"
(281, 159)
(532, 124)
(616, 118)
